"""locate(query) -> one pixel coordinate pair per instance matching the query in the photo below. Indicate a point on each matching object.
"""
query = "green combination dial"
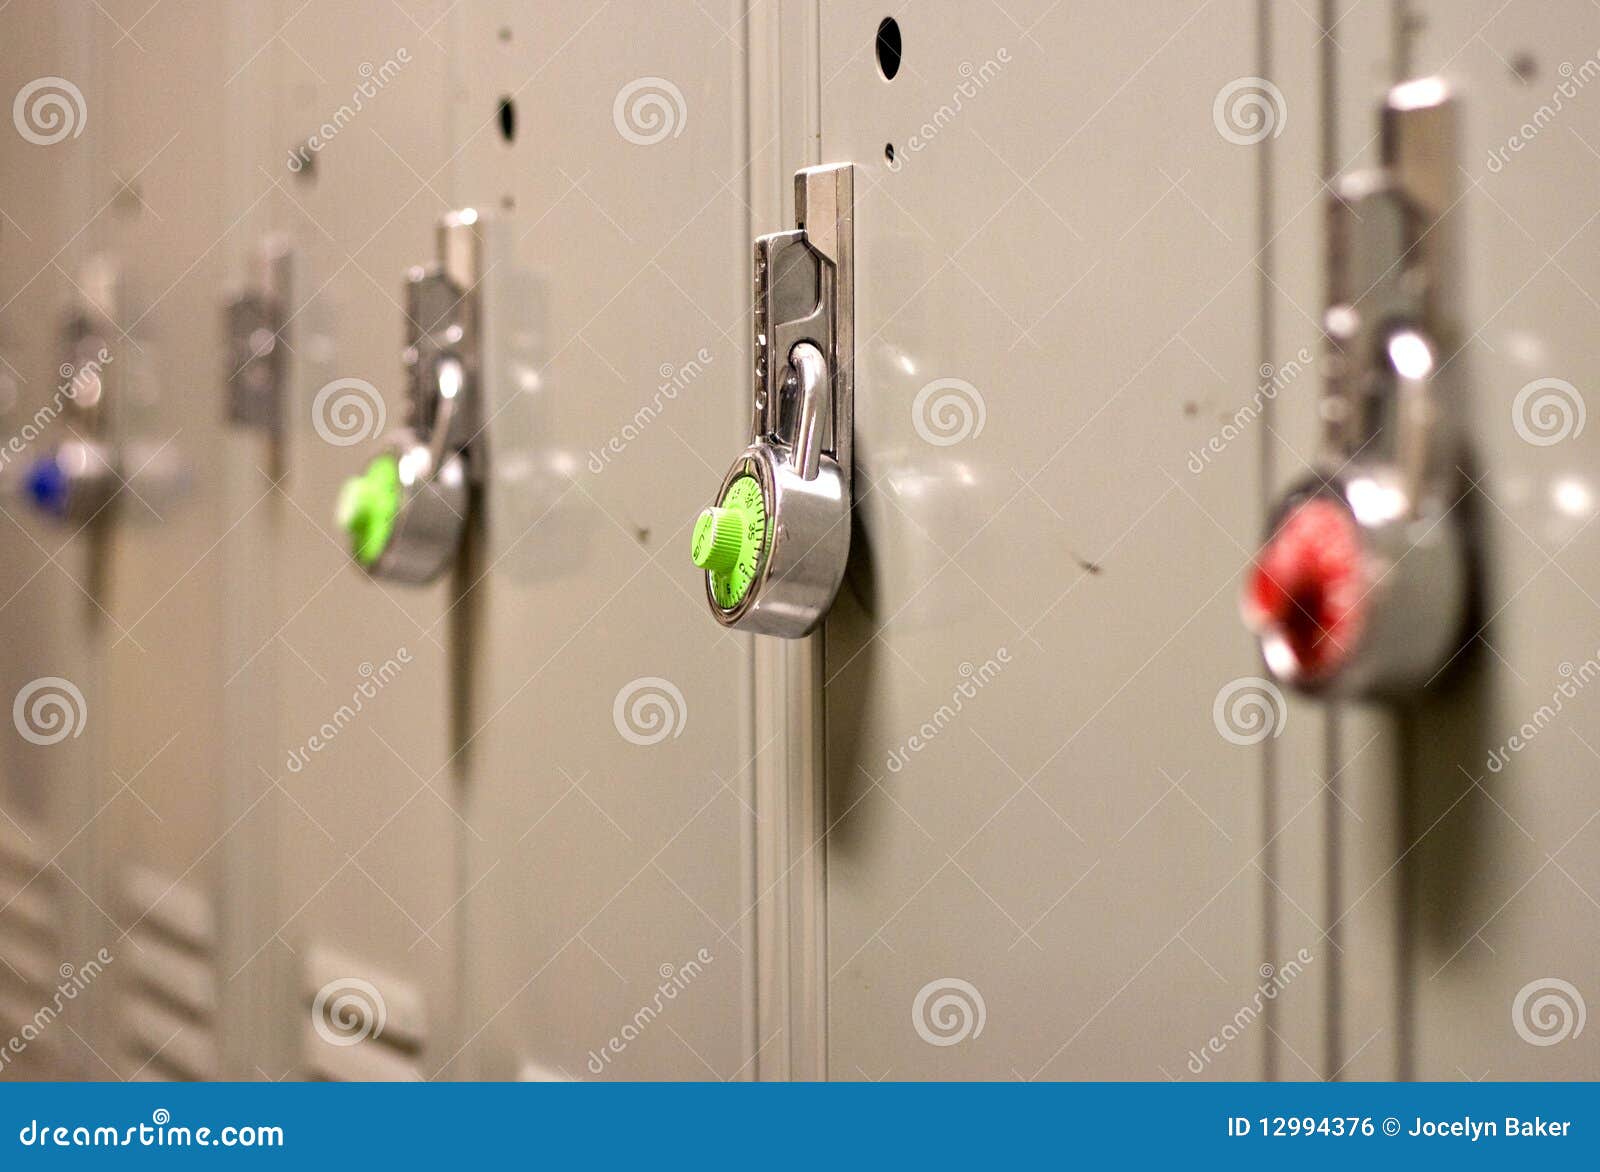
(729, 539)
(368, 507)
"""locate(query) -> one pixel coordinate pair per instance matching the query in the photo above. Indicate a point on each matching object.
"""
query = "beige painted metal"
(1470, 888)
(1037, 828)
(51, 618)
(359, 813)
(608, 877)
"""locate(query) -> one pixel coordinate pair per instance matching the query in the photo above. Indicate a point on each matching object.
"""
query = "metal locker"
(608, 876)
(49, 610)
(1453, 891)
(355, 947)
(1044, 786)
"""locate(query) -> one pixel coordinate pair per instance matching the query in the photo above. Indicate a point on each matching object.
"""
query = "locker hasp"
(774, 543)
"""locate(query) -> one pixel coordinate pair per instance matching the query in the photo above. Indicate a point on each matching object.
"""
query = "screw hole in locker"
(889, 48)
(507, 114)
(888, 153)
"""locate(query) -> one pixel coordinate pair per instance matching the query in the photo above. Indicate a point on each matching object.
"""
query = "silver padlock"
(407, 512)
(774, 544)
(1361, 587)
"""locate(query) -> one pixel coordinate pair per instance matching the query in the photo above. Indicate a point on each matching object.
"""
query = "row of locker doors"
(1029, 806)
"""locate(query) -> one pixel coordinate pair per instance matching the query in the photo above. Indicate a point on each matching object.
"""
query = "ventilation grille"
(167, 1013)
(359, 1024)
(30, 947)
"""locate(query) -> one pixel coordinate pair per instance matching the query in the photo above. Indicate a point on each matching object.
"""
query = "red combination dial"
(1305, 593)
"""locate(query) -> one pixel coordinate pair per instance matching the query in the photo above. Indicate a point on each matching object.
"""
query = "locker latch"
(406, 513)
(1361, 586)
(258, 376)
(774, 544)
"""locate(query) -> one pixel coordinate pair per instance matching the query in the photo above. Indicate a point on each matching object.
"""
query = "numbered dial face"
(729, 540)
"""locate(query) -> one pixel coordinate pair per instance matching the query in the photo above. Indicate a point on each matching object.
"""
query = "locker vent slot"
(30, 945)
(360, 1024)
(167, 1011)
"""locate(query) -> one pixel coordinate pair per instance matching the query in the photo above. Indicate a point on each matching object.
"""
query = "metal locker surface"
(357, 943)
(607, 877)
(1482, 862)
(50, 614)
(1326, 786)
(162, 818)
(1044, 773)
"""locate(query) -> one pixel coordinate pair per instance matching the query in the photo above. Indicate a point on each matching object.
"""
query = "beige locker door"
(1043, 721)
(1331, 827)
(53, 620)
(607, 875)
(166, 231)
(1475, 889)
(359, 945)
